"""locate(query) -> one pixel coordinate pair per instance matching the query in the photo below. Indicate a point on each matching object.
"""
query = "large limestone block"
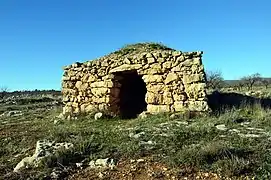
(101, 73)
(168, 88)
(151, 60)
(25, 163)
(192, 78)
(101, 84)
(99, 100)
(99, 92)
(66, 98)
(126, 67)
(43, 150)
(66, 78)
(158, 108)
(67, 91)
(108, 77)
(67, 109)
(152, 78)
(157, 55)
(161, 60)
(88, 108)
(155, 69)
(78, 84)
(167, 100)
(177, 85)
(83, 87)
(179, 106)
(75, 104)
(177, 53)
(177, 68)
(195, 69)
(104, 63)
(198, 106)
(70, 85)
(165, 54)
(167, 97)
(196, 61)
(155, 88)
(77, 110)
(171, 77)
(196, 91)
(180, 97)
(85, 78)
(154, 98)
(103, 107)
(149, 55)
(91, 78)
(127, 61)
(167, 65)
(180, 59)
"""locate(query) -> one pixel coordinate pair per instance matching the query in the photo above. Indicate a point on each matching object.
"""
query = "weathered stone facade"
(153, 81)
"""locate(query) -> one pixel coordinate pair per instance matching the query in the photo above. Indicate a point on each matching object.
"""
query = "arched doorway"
(132, 94)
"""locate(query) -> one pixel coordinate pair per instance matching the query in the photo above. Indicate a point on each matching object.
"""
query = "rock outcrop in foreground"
(141, 77)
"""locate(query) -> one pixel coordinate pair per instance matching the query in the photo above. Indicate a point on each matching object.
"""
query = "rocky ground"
(232, 145)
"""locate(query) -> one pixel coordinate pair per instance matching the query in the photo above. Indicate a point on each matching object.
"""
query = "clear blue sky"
(38, 37)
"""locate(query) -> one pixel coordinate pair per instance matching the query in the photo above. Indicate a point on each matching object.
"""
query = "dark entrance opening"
(132, 94)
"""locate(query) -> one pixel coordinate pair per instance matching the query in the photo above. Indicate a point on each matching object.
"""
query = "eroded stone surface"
(43, 149)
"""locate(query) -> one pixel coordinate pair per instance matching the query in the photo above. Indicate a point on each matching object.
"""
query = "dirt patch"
(142, 169)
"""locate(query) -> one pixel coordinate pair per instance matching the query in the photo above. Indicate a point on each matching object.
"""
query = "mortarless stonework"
(167, 80)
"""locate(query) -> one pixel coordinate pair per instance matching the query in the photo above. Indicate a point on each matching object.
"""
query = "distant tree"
(3, 92)
(214, 79)
(251, 80)
(266, 82)
(237, 85)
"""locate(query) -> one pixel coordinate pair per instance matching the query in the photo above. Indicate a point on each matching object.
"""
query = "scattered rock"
(79, 165)
(58, 173)
(26, 163)
(147, 143)
(140, 160)
(255, 129)
(43, 149)
(234, 130)
(58, 121)
(182, 122)
(165, 135)
(102, 163)
(249, 135)
(245, 123)
(12, 114)
(173, 116)
(98, 115)
(221, 127)
(143, 115)
(136, 136)
(60, 116)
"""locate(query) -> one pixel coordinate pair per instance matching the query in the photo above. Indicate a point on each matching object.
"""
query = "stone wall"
(174, 80)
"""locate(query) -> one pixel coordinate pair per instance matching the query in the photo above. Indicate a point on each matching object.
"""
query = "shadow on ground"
(219, 101)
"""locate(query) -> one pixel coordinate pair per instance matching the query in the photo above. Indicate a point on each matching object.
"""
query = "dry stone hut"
(139, 77)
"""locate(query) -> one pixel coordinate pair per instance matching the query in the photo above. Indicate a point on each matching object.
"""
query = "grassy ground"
(241, 150)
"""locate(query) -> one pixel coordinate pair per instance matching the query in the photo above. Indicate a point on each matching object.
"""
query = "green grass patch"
(195, 142)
